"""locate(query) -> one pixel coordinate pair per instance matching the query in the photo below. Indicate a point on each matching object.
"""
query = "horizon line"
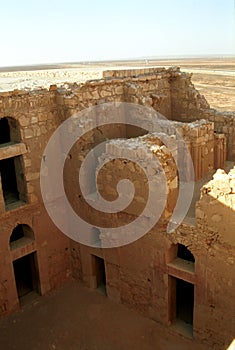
(142, 58)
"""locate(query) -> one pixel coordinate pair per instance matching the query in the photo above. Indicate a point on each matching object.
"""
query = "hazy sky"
(46, 31)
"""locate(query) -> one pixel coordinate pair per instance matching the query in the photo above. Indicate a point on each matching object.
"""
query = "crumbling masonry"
(184, 280)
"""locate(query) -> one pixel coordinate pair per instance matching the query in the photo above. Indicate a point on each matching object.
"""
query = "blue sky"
(47, 31)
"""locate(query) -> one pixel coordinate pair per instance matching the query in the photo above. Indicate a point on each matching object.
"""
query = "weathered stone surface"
(141, 274)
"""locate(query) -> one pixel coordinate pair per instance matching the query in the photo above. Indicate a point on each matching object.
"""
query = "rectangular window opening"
(13, 182)
(9, 183)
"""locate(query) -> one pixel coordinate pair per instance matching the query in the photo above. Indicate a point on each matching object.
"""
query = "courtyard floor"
(76, 318)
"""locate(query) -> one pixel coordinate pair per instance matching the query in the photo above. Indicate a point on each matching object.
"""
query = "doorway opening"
(181, 305)
(26, 275)
(184, 301)
(99, 272)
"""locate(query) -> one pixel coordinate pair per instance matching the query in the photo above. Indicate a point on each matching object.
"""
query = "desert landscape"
(214, 78)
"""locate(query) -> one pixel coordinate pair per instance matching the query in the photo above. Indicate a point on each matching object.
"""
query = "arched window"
(181, 257)
(184, 253)
(9, 130)
(21, 235)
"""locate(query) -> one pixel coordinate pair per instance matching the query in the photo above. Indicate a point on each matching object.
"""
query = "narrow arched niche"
(180, 256)
(21, 235)
(184, 253)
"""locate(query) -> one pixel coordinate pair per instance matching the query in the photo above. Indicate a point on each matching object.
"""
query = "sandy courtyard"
(75, 318)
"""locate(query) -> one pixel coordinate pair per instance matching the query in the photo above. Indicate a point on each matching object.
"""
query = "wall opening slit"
(99, 272)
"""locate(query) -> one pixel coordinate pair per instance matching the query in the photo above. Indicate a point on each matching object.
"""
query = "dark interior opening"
(9, 130)
(21, 231)
(9, 183)
(4, 131)
(184, 253)
(99, 270)
(17, 233)
(26, 275)
(184, 301)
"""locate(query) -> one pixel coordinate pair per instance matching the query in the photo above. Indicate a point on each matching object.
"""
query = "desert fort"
(182, 282)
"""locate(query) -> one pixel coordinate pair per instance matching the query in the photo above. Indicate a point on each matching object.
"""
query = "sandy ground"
(214, 78)
(76, 318)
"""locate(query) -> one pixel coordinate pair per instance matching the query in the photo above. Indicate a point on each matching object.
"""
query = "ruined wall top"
(216, 208)
(135, 72)
(221, 186)
(42, 86)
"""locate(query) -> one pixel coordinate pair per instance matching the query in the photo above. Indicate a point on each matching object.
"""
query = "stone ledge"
(9, 150)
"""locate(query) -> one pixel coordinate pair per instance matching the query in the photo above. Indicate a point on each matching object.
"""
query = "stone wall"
(142, 274)
(206, 148)
(36, 115)
(188, 104)
(215, 214)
